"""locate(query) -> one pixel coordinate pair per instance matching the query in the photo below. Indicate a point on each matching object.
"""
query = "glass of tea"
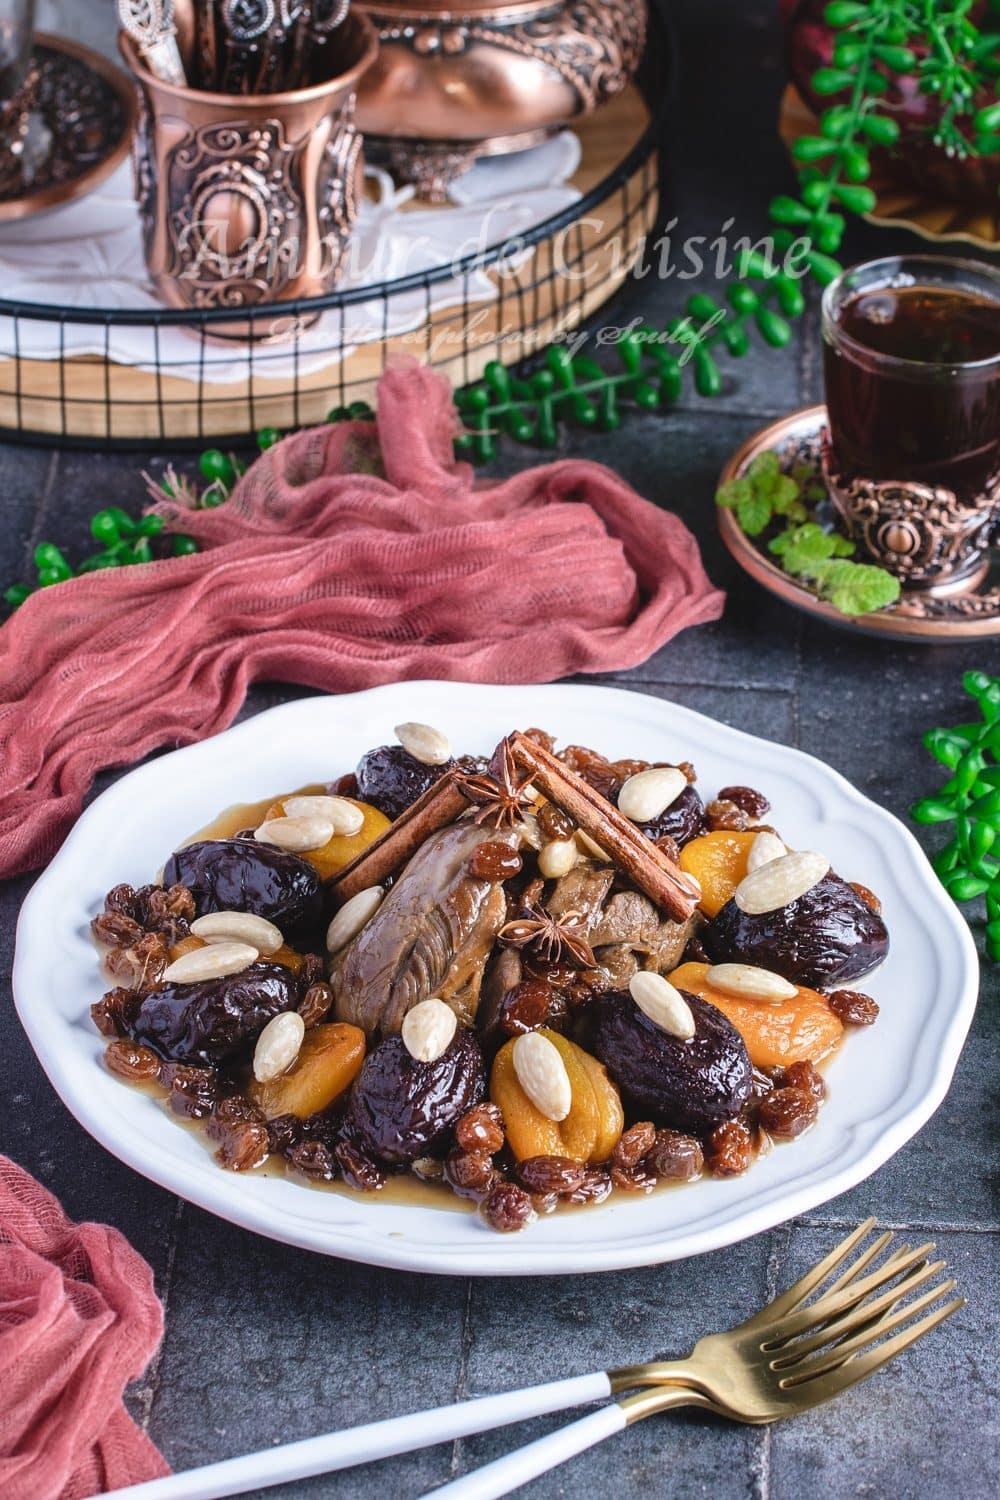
(911, 348)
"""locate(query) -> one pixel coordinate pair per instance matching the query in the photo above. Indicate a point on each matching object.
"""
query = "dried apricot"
(343, 847)
(329, 1060)
(776, 1033)
(718, 861)
(594, 1124)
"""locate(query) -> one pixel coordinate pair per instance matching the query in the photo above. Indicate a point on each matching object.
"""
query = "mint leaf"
(733, 493)
(807, 546)
(784, 494)
(842, 547)
(754, 514)
(780, 543)
(764, 465)
(859, 588)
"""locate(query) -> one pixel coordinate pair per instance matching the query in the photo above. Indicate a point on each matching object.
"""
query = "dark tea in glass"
(911, 351)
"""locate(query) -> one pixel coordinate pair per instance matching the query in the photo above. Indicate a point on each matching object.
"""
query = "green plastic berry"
(216, 466)
(183, 546)
(267, 437)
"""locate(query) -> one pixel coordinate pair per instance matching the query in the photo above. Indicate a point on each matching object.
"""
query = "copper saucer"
(923, 617)
(88, 107)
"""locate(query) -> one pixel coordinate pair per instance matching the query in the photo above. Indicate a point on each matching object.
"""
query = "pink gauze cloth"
(349, 555)
(79, 1319)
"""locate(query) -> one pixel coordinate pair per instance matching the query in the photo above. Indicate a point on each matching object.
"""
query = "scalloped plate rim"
(433, 1240)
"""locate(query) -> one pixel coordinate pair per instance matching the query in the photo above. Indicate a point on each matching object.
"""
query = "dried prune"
(787, 1112)
(854, 1008)
(215, 1019)
(551, 1174)
(481, 1129)
(824, 937)
(359, 1171)
(729, 1149)
(400, 1108)
(676, 1157)
(470, 1174)
(284, 1132)
(682, 821)
(243, 875)
(392, 779)
(130, 1060)
(747, 799)
(688, 1084)
(508, 1208)
(530, 1004)
(633, 1145)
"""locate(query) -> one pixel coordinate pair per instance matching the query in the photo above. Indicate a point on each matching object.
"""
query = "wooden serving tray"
(90, 398)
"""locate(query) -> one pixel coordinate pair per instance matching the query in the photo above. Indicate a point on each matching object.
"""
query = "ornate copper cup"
(249, 199)
(459, 79)
(912, 370)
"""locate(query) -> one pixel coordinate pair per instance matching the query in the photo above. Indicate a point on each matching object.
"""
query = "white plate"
(884, 1083)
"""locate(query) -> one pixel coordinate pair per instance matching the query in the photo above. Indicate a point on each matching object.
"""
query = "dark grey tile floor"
(265, 1344)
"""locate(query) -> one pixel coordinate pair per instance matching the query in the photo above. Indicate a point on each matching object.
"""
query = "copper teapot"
(455, 81)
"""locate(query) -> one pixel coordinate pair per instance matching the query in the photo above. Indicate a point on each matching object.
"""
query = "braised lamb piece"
(430, 937)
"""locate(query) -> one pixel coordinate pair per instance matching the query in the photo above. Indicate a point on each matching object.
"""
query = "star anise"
(499, 799)
(554, 939)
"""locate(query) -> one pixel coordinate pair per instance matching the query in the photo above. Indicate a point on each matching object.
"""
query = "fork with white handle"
(785, 1359)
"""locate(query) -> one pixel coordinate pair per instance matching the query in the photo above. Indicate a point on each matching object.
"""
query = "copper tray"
(917, 617)
(75, 80)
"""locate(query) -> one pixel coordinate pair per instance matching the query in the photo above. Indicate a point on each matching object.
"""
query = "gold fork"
(805, 1347)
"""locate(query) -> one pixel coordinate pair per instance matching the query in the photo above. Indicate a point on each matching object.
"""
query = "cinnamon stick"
(440, 805)
(638, 857)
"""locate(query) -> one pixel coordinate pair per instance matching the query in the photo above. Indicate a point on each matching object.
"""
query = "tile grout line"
(461, 1383)
(760, 1450)
(147, 1394)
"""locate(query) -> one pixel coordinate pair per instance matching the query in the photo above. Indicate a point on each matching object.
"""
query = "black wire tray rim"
(204, 318)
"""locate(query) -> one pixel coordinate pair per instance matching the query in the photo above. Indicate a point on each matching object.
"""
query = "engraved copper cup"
(913, 463)
(248, 200)
(460, 79)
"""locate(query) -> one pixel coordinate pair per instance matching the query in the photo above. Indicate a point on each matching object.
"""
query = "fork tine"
(849, 1321)
(832, 1305)
(848, 1347)
(794, 1297)
(822, 1387)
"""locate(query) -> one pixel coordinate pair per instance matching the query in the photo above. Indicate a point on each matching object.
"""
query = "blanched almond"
(427, 1029)
(278, 1046)
(542, 1074)
(345, 817)
(352, 916)
(664, 1005)
(765, 847)
(238, 927)
(747, 980)
(557, 858)
(647, 794)
(424, 743)
(780, 881)
(214, 961)
(297, 835)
